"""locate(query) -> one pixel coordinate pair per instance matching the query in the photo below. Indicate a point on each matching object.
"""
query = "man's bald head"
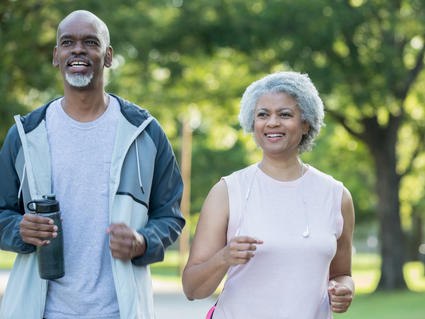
(87, 16)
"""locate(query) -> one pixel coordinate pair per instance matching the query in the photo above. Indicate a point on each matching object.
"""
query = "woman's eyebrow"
(283, 108)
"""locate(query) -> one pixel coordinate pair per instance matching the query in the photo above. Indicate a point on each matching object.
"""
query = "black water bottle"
(50, 257)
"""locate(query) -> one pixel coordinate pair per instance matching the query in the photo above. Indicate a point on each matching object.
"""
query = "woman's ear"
(305, 127)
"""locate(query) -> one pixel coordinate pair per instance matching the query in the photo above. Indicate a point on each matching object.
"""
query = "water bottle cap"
(49, 196)
(43, 205)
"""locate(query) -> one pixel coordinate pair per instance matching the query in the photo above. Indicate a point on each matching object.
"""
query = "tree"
(177, 57)
(26, 36)
(366, 58)
(379, 88)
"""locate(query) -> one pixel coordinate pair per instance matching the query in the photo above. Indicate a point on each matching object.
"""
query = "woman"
(281, 229)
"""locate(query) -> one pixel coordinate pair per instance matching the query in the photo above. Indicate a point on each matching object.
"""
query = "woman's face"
(278, 127)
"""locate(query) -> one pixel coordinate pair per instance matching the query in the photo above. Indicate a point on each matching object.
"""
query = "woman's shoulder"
(237, 182)
(322, 177)
(241, 174)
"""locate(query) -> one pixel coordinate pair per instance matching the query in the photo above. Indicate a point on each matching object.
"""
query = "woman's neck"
(283, 170)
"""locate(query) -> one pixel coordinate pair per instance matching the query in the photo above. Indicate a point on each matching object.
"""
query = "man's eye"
(66, 43)
(91, 42)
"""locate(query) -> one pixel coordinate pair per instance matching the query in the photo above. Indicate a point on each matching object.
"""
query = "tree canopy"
(193, 60)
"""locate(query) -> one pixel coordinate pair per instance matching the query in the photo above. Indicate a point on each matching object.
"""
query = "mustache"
(79, 57)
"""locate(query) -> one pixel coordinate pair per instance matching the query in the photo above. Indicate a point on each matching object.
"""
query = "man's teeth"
(275, 135)
(79, 64)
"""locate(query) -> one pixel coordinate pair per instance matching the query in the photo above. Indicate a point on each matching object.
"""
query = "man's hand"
(125, 243)
(37, 230)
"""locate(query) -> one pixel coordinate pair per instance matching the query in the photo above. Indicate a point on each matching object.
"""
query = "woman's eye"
(261, 114)
(286, 115)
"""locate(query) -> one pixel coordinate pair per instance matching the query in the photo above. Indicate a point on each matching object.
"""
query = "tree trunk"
(186, 167)
(414, 239)
(383, 148)
(418, 235)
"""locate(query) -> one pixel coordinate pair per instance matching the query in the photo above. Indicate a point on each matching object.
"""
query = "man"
(116, 179)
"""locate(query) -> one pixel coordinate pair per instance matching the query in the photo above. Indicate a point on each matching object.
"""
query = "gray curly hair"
(298, 86)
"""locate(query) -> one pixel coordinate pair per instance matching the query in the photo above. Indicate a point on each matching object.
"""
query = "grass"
(366, 274)
(365, 271)
(386, 305)
(169, 268)
(404, 304)
(6, 259)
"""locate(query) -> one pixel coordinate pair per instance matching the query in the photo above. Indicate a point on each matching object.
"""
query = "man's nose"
(78, 47)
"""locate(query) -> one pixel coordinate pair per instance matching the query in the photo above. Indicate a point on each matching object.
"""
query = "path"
(169, 300)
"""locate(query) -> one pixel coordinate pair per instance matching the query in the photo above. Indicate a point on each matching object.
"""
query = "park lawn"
(402, 304)
(168, 269)
(365, 271)
(7, 259)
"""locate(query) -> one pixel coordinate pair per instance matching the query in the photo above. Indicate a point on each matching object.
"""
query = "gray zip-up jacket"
(145, 193)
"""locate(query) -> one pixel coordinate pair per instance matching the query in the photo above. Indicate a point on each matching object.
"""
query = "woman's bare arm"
(210, 257)
(341, 285)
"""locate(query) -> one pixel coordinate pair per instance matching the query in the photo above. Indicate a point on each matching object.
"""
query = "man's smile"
(78, 64)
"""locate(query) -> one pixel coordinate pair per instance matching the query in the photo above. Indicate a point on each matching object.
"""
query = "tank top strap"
(339, 220)
(238, 186)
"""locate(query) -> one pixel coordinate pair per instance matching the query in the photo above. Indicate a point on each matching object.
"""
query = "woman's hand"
(340, 296)
(240, 250)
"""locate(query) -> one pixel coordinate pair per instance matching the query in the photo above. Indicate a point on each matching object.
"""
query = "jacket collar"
(133, 114)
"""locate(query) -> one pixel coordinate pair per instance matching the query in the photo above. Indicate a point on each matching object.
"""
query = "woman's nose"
(273, 121)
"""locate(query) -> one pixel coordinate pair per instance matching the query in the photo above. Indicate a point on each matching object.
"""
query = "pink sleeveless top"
(299, 222)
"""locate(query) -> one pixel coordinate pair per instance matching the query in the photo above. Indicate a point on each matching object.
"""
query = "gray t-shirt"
(81, 157)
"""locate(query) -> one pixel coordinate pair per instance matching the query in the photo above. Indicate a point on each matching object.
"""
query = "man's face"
(81, 52)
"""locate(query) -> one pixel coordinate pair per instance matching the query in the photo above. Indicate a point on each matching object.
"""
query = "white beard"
(79, 80)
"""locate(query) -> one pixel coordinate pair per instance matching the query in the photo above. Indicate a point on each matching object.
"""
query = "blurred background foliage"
(192, 60)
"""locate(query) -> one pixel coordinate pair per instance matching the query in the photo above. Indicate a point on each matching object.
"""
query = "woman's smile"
(278, 127)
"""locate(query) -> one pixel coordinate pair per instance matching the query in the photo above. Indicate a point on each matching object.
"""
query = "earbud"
(306, 233)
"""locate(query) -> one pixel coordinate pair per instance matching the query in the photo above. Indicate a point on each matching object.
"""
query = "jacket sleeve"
(10, 210)
(165, 220)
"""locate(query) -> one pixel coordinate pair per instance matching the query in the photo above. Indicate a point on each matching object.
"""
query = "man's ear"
(108, 56)
(55, 61)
